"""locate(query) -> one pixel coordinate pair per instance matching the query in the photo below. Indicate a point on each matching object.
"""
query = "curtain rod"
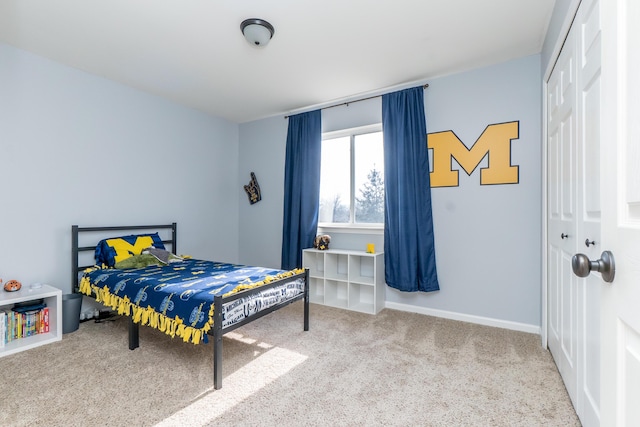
(424, 86)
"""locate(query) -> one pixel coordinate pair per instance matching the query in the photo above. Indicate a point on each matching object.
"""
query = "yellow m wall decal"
(495, 142)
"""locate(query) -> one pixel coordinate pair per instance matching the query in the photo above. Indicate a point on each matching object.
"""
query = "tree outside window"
(370, 204)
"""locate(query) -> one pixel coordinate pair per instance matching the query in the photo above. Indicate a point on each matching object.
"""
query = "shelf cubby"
(336, 293)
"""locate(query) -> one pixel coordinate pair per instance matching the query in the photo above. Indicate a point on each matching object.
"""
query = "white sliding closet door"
(574, 211)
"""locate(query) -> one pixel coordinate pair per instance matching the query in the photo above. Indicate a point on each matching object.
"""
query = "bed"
(136, 271)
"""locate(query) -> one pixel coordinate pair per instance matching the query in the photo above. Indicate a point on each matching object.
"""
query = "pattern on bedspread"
(178, 298)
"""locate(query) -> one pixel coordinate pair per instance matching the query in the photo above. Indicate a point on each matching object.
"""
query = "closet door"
(561, 215)
(574, 211)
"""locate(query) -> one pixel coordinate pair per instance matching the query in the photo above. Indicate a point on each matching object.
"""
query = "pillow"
(115, 249)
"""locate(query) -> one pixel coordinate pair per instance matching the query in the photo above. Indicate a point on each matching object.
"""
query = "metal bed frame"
(217, 331)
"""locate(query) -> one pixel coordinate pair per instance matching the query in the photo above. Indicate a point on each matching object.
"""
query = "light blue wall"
(487, 237)
(78, 149)
(262, 152)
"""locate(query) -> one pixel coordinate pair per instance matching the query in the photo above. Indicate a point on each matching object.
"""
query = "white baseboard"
(487, 321)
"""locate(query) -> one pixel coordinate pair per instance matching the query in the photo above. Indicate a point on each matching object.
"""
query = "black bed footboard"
(218, 331)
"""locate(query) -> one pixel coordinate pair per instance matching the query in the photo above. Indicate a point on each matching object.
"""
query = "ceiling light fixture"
(258, 32)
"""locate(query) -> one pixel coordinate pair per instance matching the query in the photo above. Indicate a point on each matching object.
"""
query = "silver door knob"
(606, 266)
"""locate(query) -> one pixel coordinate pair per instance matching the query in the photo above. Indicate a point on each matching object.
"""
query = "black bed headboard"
(99, 232)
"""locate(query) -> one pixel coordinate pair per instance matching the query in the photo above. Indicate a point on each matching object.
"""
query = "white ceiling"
(323, 51)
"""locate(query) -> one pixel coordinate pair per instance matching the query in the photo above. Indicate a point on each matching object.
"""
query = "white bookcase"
(346, 279)
(53, 298)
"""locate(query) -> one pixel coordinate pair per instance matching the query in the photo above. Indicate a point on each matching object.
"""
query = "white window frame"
(352, 227)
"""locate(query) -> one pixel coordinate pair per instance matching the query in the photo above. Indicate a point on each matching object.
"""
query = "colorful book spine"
(12, 326)
(14, 330)
(8, 326)
(3, 328)
(45, 312)
(32, 322)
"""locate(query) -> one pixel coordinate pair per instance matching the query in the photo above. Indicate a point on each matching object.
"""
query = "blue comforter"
(176, 298)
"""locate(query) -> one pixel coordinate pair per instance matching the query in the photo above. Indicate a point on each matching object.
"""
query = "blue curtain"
(301, 186)
(409, 253)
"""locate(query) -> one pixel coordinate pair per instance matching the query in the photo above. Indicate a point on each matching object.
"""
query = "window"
(352, 177)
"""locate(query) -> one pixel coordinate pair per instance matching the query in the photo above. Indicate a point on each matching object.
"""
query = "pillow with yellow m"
(115, 249)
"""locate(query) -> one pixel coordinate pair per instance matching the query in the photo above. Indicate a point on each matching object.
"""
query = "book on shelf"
(23, 321)
(45, 320)
(3, 328)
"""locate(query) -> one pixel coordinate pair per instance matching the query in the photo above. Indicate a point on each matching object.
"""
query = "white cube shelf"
(346, 279)
(53, 298)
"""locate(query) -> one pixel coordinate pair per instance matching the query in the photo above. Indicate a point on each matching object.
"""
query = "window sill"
(351, 229)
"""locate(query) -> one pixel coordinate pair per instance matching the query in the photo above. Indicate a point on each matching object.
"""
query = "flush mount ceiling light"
(258, 32)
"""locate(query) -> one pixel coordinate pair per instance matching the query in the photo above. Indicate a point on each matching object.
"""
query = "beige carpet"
(350, 369)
